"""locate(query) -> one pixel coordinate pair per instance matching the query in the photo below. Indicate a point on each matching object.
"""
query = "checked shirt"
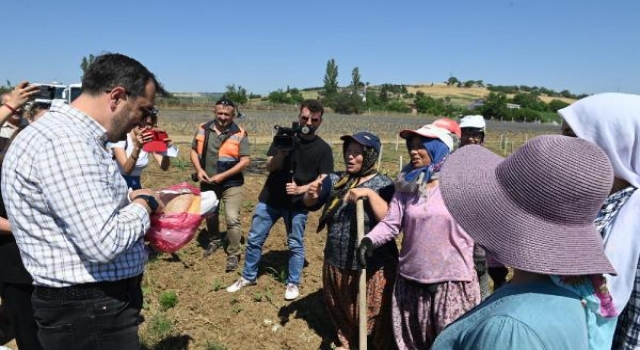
(68, 204)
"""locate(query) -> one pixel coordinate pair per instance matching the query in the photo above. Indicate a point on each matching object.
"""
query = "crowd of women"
(561, 212)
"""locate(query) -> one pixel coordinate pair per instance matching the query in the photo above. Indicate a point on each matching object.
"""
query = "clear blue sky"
(586, 46)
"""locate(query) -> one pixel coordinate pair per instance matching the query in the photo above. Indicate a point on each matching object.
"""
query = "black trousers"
(92, 316)
(16, 299)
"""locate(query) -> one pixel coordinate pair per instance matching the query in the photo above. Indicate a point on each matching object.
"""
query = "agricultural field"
(186, 305)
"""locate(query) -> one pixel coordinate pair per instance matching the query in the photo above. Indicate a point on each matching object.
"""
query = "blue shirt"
(528, 316)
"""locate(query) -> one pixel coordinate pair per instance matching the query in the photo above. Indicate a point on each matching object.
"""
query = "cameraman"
(219, 153)
(290, 173)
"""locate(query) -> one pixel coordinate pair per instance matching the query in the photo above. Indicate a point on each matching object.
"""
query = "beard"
(120, 125)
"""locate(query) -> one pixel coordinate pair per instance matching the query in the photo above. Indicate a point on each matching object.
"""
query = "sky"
(585, 46)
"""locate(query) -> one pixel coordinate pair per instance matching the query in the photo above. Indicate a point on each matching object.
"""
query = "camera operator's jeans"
(264, 217)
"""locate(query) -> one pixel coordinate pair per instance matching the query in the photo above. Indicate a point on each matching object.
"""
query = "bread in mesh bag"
(183, 213)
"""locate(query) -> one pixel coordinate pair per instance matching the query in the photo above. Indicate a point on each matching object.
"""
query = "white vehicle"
(50, 92)
(71, 92)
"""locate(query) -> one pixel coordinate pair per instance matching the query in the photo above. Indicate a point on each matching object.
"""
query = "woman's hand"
(355, 193)
(141, 136)
(21, 94)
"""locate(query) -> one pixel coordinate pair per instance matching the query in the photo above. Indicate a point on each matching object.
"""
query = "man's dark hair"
(314, 106)
(225, 102)
(111, 70)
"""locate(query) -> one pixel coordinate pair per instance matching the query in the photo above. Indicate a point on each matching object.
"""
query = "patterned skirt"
(341, 295)
(421, 311)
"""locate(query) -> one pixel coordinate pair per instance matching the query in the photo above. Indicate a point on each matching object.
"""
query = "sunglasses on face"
(306, 119)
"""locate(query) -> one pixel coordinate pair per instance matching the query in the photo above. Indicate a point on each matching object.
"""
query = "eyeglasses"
(226, 102)
(306, 119)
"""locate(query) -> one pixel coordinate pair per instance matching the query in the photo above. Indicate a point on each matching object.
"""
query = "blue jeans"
(264, 217)
(133, 182)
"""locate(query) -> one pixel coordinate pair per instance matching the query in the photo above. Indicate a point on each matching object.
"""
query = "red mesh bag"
(170, 232)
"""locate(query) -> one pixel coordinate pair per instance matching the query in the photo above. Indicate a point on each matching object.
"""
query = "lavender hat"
(533, 210)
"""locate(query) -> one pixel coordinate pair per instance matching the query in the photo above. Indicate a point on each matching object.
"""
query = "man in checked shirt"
(79, 232)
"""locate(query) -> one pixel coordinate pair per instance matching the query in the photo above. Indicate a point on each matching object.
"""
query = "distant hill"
(463, 95)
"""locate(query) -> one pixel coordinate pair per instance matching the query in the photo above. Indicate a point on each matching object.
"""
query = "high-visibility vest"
(228, 153)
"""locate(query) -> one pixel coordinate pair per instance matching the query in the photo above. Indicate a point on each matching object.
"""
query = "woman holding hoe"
(340, 191)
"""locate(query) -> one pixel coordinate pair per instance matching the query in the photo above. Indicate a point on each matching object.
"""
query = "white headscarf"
(612, 121)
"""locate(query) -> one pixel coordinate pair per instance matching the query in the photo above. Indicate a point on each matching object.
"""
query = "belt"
(89, 290)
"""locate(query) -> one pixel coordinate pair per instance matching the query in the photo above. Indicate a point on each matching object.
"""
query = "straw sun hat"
(533, 210)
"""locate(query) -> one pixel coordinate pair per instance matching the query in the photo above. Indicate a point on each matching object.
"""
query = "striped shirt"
(68, 204)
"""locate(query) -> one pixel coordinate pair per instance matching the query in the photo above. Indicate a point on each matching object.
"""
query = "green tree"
(398, 106)
(296, 96)
(237, 94)
(495, 106)
(86, 62)
(555, 105)
(355, 79)
(279, 96)
(453, 81)
(384, 94)
(530, 101)
(331, 78)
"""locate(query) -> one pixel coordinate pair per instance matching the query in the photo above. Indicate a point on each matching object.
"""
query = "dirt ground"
(186, 304)
(257, 317)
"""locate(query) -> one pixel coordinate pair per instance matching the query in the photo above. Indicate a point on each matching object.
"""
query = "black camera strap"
(205, 146)
(207, 133)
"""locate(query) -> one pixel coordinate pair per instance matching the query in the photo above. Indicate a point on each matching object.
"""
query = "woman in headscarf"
(340, 191)
(436, 281)
(612, 121)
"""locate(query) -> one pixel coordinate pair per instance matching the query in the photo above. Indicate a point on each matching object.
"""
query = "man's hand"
(293, 189)
(202, 176)
(148, 192)
(216, 179)
(314, 189)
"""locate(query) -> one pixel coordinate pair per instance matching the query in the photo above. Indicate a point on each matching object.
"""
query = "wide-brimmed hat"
(364, 138)
(431, 131)
(533, 210)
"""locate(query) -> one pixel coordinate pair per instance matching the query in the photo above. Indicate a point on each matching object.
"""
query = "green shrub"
(168, 299)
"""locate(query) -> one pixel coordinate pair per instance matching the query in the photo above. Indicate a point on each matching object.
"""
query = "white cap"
(473, 121)
(431, 131)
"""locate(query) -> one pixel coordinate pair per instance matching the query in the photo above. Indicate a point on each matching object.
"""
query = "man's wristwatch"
(151, 201)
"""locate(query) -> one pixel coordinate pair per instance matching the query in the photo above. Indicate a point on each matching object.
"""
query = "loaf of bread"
(180, 204)
(195, 205)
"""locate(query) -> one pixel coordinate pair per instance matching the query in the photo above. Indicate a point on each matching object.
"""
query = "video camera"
(286, 139)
